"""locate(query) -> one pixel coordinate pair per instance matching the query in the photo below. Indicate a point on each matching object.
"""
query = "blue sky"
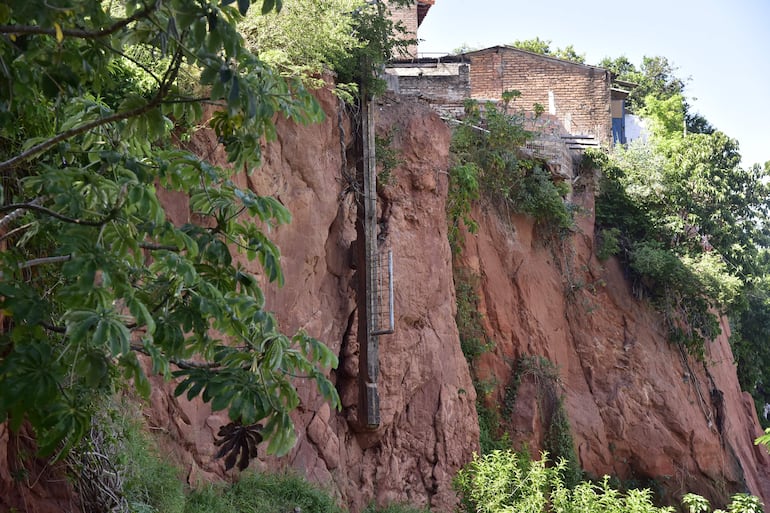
(721, 46)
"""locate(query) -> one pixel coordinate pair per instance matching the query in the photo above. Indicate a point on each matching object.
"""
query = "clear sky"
(721, 46)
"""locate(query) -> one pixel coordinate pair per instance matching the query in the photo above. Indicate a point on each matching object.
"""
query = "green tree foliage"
(93, 272)
(751, 331)
(543, 47)
(656, 79)
(666, 116)
(464, 48)
(353, 38)
(688, 219)
(284, 39)
(691, 221)
(655, 76)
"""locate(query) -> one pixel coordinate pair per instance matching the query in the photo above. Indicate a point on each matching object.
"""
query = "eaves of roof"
(618, 93)
(624, 83)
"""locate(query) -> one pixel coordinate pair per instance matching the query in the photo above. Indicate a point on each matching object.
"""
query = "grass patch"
(263, 493)
(120, 468)
(395, 507)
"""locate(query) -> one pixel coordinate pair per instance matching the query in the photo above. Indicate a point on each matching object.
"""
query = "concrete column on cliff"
(369, 365)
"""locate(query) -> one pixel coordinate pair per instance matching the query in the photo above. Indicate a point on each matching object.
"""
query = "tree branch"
(53, 213)
(22, 30)
(138, 63)
(67, 134)
(55, 329)
(44, 260)
(157, 247)
(187, 365)
(182, 364)
(194, 100)
(16, 213)
(13, 232)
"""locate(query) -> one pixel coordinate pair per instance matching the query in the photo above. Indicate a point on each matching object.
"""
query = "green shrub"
(540, 197)
(505, 482)
(490, 436)
(463, 192)
(388, 158)
(679, 294)
(486, 149)
(660, 268)
(608, 243)
(716, 281)
(395, 507)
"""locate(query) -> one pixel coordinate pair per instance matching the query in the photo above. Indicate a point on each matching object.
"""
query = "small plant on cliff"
(98, 285)
(388, 158)
(463, 192)
(473, 338)
(609, 244)
(474, 343)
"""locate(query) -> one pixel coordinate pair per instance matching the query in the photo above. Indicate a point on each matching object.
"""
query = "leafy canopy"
(543, 47)
(690, 222)
(352, 38)
(656, 77)
(94, 103)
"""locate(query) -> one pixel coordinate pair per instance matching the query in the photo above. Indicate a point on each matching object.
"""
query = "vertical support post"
(369, 366)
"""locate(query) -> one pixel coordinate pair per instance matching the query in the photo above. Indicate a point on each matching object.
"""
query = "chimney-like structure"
(412, 17)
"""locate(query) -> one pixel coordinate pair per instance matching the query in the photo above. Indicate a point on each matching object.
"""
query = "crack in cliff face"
(438, 435)
(348, 369)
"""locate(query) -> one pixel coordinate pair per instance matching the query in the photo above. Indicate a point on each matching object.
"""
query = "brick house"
(578, 95)
(578, 99)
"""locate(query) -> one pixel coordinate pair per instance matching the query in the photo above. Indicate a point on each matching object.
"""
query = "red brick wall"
(407, 16)
(581, 93)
